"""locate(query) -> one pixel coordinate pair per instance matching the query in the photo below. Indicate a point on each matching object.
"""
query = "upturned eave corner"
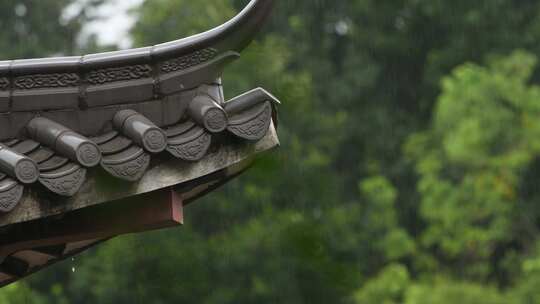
(60, 118)
(96, 146)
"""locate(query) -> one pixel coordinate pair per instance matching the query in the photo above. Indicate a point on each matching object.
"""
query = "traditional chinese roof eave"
(96, 146)
(99, 212)
(164, 171)
(119, 111)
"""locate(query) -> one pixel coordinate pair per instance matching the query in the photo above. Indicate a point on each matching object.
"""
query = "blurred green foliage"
(35, 28)
(408, 171)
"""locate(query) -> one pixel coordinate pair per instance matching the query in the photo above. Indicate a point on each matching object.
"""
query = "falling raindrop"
(341, 28)
(73, 267)
(20, 10)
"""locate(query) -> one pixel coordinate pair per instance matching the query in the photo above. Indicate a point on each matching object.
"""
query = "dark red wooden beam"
(151, 211)
(54, 251)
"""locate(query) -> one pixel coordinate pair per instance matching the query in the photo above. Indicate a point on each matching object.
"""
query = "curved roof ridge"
(233, 35)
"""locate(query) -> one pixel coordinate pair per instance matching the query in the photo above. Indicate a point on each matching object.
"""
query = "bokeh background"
(409, 170)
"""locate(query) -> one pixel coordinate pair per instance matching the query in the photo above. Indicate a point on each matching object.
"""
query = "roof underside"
(101, 213)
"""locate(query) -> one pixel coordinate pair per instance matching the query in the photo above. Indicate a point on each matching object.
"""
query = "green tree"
(387, 287)
(33, 28)
(19, 293)
(472, 165)
(449, 292)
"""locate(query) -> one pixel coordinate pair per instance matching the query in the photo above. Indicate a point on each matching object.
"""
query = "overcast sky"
(114, 26)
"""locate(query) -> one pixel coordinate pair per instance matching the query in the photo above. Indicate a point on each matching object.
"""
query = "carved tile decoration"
(216, 120)
(10, 198)
(123, 158)
(189, 60)
(41, 81)
(119, 74)
(255, 127)
(66, 184)
(131, 169)
(188, 141)
(4, 83)
(192, 150)
(26, 171)
(88, 154)
(89, 97)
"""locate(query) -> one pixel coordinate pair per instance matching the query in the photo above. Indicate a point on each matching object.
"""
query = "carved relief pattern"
(4, 83)
(154, 140)
(215, 120)
(88, 154)
(26, 171)
(40, 81)
(9, 199)
(131, 170)
(119, 74)
(66, 185)
(193, 150)
(189, 60)
(255, 128)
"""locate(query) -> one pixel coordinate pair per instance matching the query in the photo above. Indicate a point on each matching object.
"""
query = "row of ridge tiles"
(75, 63)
